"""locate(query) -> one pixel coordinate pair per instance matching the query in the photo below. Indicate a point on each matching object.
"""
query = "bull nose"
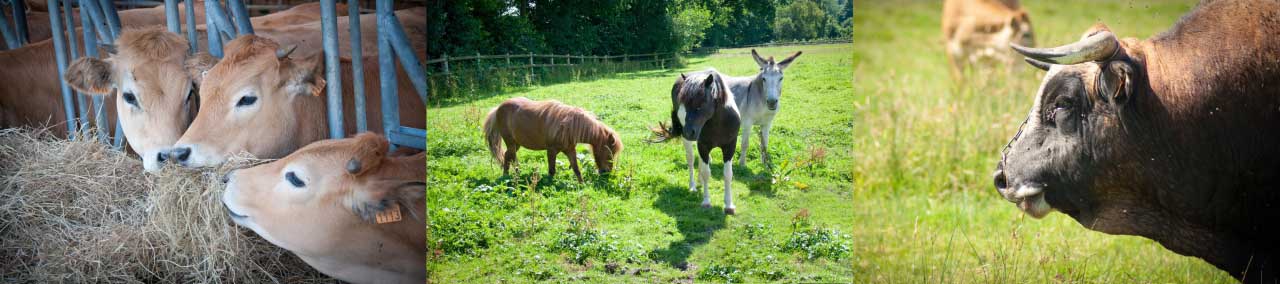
(180, 154)
(1001, 182)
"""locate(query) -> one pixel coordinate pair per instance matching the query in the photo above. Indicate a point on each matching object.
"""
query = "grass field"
(641, 224)
(924, 209)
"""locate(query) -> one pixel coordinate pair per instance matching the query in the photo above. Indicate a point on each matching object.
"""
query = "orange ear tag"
(390, 215)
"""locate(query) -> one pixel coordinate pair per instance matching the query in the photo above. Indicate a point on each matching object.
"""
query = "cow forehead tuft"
(151, 43)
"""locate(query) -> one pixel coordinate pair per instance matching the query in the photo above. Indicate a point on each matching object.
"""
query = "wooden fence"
(529, 61)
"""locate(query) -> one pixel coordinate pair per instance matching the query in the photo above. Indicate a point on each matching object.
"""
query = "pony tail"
(492, 136)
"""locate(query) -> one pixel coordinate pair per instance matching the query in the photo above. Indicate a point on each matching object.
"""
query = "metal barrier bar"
(408, 136)
(20, 21)
(214, 10)
(332, 67)
(10, 36)
(243, 26)
(87, 30)
(211, 29)
(171, 16)
(97, 20)
(60, 57)
(91, 51)
(410, 61)
(387, 73)
(191, 26)
(357, 65)
(113, 18)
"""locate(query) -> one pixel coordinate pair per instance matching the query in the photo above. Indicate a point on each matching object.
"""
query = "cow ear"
(387, 201)
(369, 151)
(305, 76)
(1116, 83)
(91, 75)
(198, 66)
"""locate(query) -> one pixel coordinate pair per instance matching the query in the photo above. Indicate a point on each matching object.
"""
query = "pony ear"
(759, 61)
(785, 62)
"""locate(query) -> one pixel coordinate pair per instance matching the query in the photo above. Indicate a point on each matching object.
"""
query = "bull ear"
(198, 66)
(370, 150)
(1116, 83)
(305, 76)
(91, 75)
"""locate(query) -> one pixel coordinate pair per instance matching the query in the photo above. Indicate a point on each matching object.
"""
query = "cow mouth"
(1030, 199)
(233, 214)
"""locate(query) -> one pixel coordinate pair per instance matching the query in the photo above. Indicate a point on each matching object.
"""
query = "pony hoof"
(730, 211)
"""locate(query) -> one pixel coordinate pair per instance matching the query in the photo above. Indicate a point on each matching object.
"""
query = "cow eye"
(246, 101)
(293, 179)
(130, 99)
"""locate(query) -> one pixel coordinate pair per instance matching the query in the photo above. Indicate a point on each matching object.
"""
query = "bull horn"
(284, 52)
(1095, 47)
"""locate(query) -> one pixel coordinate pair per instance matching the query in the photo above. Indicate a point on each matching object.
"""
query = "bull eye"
(294, 180)
(246, 101)
(130, 99)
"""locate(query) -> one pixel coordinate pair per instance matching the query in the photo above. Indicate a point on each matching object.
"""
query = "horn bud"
(284, 52)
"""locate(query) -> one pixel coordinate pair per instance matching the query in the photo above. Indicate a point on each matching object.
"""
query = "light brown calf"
(343, 206)
(259, 100)
(975, 30)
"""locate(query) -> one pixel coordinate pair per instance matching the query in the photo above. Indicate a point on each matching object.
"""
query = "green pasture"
(795, 222)
(923, 207)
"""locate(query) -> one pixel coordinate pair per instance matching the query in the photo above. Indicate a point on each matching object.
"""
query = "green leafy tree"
(801, 20)
(690, 25)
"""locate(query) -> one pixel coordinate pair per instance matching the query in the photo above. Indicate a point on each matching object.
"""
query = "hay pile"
(78, 211)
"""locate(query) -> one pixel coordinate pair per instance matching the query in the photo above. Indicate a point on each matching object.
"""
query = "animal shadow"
(695, 223)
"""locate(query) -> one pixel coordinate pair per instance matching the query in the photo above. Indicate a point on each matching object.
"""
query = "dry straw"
(78, 211)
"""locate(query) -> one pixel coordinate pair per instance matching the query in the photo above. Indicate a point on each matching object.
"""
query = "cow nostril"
(180, 154)
(1001, 182)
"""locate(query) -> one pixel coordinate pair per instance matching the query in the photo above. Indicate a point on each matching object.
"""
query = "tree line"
(609, 27)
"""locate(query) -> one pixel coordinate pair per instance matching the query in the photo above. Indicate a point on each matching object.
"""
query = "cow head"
(250, 102)
(154, 100)
(771, 77)
(1020, 29)
(700, 98)
(1066, 150)
(336, 200)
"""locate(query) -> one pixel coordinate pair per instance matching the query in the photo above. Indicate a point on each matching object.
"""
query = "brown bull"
(1171, 138)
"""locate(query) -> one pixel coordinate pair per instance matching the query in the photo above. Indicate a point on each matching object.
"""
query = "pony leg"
(551, 163)
(688, 157)
(573, 163)
(729, 209)
(704, 177)
(509, 158)
(746, 142)
(764, 145)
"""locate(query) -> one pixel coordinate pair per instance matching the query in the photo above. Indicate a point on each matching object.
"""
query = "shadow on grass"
(559, 78)
(695, 223)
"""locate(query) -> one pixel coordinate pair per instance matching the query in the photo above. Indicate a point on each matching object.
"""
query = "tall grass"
(924, 149)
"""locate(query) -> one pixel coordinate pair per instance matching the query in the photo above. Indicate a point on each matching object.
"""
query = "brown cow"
(342, 206)
(151, 83)
(978, 29)
(1171, 138)
(259, 100)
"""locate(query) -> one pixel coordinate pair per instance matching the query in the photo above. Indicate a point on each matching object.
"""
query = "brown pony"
(552, 126)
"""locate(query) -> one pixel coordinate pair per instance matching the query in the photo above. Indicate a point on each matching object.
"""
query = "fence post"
(446, 64)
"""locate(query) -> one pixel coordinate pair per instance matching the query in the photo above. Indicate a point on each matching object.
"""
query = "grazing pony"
(552, 126)
(757, 99)
(702, 111)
